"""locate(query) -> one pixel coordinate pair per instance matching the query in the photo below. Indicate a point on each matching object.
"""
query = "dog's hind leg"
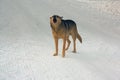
(68, 41)
(74, 42)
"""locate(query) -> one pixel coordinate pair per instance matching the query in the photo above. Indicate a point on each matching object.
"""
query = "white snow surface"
(27, 45)
(108, 6)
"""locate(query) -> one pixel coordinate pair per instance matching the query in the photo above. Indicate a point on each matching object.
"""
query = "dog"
(62, 29)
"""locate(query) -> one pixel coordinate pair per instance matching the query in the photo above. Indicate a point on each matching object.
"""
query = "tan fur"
(60, 31)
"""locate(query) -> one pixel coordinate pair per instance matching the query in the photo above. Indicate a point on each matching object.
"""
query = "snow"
(108, 6)
(27, 46)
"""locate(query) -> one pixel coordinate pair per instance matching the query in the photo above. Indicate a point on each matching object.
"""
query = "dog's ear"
(50, 17)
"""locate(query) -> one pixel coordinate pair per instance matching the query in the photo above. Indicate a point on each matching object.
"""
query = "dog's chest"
(59, 34)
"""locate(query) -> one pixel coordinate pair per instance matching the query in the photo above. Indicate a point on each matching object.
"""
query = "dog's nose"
(54, 17)
(54, 20)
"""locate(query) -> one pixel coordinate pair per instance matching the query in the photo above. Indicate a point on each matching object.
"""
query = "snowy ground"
(108, 6)
(26, 43)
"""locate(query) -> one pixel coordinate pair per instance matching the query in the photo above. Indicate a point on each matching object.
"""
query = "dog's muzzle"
(54, 19)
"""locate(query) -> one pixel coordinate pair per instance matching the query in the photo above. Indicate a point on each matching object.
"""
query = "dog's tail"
(79, 37)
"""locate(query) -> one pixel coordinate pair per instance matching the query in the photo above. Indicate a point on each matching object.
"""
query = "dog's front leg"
(64, 44)
(56, 46)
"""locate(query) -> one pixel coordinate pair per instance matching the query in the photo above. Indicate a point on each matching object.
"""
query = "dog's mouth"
(54, 20)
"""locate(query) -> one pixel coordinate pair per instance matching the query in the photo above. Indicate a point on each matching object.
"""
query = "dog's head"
(55, 19)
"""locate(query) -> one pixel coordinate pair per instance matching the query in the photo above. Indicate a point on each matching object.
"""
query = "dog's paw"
(74, 51)
(55, 54)
(63, 56)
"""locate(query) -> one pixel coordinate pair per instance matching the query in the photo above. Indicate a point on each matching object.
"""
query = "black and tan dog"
(62, 29)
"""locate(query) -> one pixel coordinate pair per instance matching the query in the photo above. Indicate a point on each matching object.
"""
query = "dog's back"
(69, 24)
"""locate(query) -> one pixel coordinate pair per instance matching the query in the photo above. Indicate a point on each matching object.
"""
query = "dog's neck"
(54, 27)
